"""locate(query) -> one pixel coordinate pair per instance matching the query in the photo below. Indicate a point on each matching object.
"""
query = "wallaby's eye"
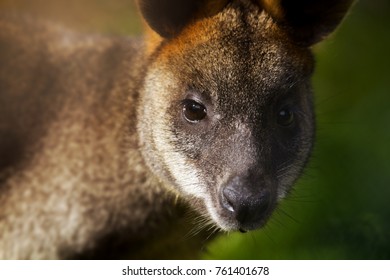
(193, 111)
(285, 116)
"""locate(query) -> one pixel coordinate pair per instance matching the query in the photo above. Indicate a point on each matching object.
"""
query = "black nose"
(248, 204)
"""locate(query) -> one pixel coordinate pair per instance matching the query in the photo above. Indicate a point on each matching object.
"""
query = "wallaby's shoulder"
(50, 74)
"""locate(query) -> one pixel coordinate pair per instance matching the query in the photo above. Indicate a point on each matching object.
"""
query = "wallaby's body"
(50, 146)
(103, 139)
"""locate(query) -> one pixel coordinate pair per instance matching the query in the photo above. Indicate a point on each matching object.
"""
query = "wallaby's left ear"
(308, 21)
(169, 17)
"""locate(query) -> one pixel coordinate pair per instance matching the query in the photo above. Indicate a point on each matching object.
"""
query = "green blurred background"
(340, 209)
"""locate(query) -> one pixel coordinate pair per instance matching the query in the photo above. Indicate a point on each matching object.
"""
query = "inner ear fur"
(308, 21)
(169, 17)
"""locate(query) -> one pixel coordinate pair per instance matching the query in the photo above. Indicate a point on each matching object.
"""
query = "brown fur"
(95, 158)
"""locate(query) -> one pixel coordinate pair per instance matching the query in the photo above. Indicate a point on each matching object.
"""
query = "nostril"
(228, 199)
(248, 207)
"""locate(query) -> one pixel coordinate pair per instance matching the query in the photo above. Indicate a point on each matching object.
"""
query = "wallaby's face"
(227, 115)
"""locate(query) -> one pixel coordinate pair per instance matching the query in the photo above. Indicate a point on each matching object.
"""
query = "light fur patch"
(187, 179)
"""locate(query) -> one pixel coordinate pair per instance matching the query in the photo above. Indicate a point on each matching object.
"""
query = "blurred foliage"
(340, 209)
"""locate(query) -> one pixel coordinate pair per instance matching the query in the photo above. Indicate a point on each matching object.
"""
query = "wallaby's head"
(226, 115)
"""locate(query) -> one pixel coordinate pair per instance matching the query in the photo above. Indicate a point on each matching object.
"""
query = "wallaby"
(107, 143)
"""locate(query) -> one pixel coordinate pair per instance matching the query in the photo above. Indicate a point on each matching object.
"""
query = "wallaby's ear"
(169, 17)
(308, 21)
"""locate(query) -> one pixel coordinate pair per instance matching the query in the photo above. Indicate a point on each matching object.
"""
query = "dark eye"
(193, 111)
(285, 116)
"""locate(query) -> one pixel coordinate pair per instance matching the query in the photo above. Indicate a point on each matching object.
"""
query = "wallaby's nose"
(248, 205)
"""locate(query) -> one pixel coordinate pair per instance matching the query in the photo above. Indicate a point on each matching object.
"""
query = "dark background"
(340, 209)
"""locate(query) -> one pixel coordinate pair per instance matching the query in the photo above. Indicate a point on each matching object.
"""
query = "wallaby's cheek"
(161, 146)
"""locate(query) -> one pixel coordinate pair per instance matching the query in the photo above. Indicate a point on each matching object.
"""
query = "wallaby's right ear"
(308, 21)
(169, 17)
